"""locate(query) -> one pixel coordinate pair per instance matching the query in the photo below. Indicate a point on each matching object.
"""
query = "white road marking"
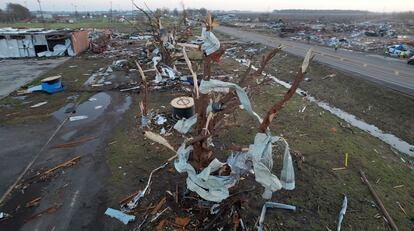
(74, 198)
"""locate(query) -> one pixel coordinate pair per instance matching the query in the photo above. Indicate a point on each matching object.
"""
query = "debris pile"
(211, 189)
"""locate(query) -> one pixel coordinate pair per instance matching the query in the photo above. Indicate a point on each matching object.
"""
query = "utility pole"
(132, 11)
(110, 14)
(76, 9)
(41, 14)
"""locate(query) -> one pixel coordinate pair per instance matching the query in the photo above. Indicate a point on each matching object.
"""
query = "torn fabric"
(220, 86)
(184, 125)
(261, 154)
(258, 158)
(211, 188)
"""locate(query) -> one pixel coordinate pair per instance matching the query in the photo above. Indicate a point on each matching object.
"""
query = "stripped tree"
(215, 102)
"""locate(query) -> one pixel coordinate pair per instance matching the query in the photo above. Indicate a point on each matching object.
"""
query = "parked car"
(411, 61)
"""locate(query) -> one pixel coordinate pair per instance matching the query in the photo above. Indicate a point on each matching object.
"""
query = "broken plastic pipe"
(270, 204)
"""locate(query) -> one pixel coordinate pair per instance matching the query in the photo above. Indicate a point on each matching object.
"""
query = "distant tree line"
(14, 12)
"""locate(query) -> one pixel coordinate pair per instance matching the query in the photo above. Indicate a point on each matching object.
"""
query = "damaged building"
(20, 43)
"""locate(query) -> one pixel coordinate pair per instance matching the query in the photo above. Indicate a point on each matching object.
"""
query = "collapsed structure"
(21, 43)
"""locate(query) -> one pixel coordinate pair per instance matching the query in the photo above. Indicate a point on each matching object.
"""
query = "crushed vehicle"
(400, 50)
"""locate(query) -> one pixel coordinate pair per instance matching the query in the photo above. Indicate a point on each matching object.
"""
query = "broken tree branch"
(143, 103)
(195, 81)
(279, 105)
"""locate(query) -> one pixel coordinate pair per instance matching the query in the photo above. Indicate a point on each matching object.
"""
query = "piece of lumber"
(383, 209)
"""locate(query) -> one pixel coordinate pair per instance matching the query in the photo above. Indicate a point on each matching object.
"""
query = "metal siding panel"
(13, 48)
(39, 40)
(4, 49)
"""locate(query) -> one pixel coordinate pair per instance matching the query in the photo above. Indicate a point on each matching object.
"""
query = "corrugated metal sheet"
(21, 42)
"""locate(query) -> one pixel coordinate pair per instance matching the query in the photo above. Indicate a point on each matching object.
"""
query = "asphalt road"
(389, 72)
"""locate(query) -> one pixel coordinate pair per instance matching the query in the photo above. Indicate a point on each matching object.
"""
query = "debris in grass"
(38, 104)
(270, 204)
(402, 209)
(182, 221)
(124, 218)
(342, 213)
(134, 202)
(381, 205)
(159, 205)
(159, 214)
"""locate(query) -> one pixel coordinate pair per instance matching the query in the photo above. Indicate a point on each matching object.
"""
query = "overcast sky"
(253, 5)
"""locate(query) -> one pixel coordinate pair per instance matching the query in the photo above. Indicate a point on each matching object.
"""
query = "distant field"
(99, 24)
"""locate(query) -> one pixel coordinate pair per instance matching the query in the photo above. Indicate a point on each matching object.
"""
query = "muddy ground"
(118, 159)
(68, 191)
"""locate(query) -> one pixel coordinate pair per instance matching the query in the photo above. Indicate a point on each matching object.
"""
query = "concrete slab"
(15, 73)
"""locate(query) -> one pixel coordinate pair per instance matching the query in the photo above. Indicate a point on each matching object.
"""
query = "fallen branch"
(383, 209)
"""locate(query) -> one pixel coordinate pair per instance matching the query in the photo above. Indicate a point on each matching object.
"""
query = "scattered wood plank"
(49, 210)
(159, 205)
(128, 198)
(73, 143)
(33, 203)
